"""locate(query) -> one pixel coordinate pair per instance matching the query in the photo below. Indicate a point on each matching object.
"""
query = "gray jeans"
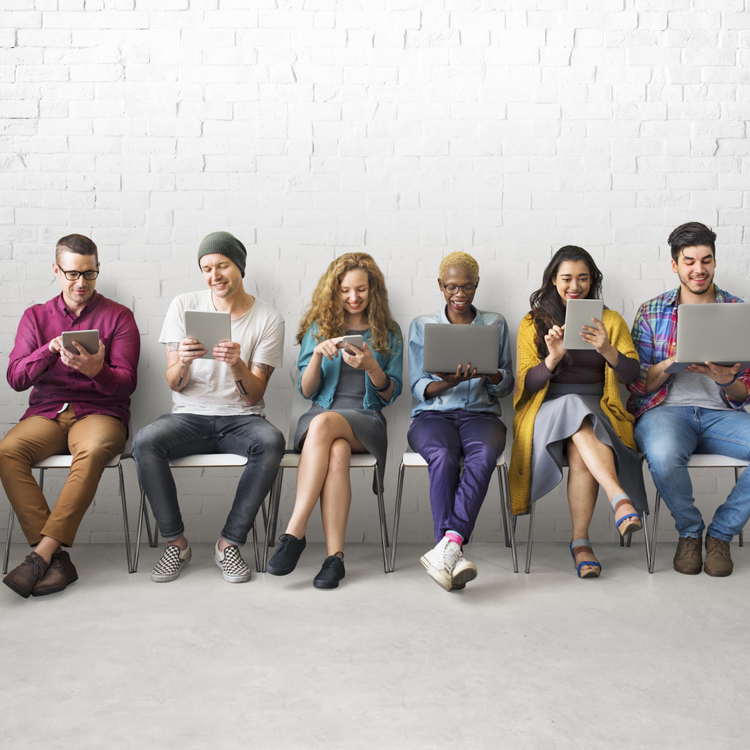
(177, 435)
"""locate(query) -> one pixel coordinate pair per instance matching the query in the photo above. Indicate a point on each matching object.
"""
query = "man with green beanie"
(217, 407)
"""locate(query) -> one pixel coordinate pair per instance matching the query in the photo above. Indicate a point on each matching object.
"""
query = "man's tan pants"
(92, 441)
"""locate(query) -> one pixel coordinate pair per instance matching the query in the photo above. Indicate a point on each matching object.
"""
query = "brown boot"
(689, 556)
(718, 558)
(60, 574)
(23, 578)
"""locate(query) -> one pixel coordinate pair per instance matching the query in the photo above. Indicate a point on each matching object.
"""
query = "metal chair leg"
(383, 524)
(503, 514)
(737, 473)
(657, 505)
(125, 526)
(263, 512)
(273, 512)
(531, 537)
(139, 531)
(277, 500)
(511, 527)
(646, 541)
(11, 519)
(255, 550)
(397, 513)
(151, 539)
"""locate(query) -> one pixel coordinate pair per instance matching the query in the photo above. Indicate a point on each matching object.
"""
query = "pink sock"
(454, 536)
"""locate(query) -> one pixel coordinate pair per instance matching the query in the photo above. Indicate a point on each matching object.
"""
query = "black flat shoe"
(287, 554)
(331, 573)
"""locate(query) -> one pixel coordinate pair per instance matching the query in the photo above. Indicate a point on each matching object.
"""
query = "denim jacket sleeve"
(393, 367)
(418, 378)
(303, 360)
(504, 365)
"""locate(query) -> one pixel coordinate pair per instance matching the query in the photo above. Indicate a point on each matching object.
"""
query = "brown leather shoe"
(23, 578)
(60, 574)
(689, 556)
(718, 558)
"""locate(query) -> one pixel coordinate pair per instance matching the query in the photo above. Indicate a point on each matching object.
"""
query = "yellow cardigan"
(527, 404)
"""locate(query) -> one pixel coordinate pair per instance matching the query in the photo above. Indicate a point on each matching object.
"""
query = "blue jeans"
(668, 435)
(177, 435)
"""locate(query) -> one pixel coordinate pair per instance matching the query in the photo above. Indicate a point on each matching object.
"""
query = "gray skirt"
(367, 424)
(561, 416)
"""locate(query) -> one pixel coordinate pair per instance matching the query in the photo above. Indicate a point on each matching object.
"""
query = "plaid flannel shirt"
(655, 337)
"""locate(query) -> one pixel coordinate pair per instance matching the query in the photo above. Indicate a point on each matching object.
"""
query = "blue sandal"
(576, 546)
(635, 525)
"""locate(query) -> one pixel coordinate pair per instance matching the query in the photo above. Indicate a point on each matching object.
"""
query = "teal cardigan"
(392, 364)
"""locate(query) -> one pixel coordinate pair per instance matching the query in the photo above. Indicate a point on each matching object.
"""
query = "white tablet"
(448, 346)
(89, 340)
(578, 313)
(208, 327)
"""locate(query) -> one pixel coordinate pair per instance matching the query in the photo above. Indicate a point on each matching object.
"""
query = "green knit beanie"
(225, 244)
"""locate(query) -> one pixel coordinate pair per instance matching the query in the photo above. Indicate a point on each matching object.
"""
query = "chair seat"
(415, 460)
(64, 460)
(714, 460)
(207, 460)
(358, 461)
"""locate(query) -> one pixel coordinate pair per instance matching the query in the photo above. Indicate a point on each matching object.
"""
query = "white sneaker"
(440, 562)
(233, 567)
(171, 563)
(463, 571)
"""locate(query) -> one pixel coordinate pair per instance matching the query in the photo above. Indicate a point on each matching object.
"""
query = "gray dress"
(566, 405)
(367, 424)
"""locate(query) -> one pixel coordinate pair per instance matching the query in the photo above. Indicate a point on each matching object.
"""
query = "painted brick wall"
(405, 128)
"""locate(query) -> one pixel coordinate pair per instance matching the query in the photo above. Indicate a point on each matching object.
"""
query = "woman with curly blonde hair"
(348, 393)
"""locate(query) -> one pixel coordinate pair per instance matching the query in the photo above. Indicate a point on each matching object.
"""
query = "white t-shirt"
(211, 389)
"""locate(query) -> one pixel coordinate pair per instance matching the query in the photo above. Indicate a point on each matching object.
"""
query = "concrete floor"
(514, 661)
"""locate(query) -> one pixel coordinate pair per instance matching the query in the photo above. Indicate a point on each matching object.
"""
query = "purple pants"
(442, 438)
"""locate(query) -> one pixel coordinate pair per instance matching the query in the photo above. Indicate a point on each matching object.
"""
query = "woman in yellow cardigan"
(568, 404)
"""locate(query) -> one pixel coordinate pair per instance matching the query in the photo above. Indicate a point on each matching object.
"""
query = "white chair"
(700, 461)
(644, 516)
(196, 461)
(415, 461)
(63, 461)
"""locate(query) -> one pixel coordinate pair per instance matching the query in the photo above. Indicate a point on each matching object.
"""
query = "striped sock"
(454, 536)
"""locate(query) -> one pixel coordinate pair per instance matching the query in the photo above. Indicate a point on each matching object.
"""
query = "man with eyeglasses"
(79, 404)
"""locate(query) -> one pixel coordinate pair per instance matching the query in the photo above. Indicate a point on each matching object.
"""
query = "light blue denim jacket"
(473, 395)
(392, 364)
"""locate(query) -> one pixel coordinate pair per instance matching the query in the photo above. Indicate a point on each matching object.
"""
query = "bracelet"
(731, 382)
(387, 385)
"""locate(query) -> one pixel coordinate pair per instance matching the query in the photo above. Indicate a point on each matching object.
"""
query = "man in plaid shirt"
(699, 411)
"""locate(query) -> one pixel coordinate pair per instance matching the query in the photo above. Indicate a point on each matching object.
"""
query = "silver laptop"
(448, 346)
(712, 332)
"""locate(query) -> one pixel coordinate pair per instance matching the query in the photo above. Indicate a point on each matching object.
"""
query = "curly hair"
(327, 312)
(459, 260)
(547, 307)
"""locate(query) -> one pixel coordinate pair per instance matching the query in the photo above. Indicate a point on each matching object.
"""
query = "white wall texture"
(403, 128)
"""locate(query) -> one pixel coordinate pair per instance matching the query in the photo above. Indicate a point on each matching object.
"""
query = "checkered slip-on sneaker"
(171, 564)
(233, 567)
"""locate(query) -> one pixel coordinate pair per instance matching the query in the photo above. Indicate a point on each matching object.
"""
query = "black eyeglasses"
(453, 288)
(74, 275)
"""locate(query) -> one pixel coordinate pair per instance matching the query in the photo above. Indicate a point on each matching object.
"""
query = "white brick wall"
(406, 128)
